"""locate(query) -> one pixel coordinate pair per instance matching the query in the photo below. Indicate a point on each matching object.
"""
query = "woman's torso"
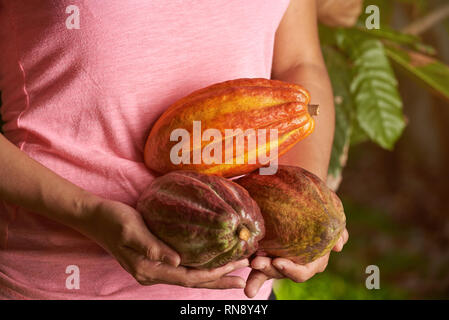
(82, 101)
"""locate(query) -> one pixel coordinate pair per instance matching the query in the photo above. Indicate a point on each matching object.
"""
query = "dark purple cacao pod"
(207, 219)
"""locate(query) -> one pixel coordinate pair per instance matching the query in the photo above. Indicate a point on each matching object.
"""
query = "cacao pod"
(303, 217)
(207, 219)
(237, 105)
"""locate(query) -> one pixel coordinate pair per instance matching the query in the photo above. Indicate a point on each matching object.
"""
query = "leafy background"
(391, 147)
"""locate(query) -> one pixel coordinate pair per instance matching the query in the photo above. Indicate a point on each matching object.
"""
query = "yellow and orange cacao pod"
(236, 110)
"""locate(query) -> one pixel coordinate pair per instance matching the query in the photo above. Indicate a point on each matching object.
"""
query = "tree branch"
(428, 21)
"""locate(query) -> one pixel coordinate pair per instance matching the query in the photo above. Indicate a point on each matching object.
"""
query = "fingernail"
(252, 293)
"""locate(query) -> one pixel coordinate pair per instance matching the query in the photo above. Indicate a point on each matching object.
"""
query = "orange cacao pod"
(238, 111)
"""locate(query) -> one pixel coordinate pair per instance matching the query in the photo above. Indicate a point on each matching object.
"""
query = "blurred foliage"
(379, 242)
(368, 103)
(378, 106)
(364, 67)
(428, 70)
(341, 79)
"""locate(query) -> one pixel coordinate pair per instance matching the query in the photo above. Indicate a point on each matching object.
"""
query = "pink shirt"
(82, 101)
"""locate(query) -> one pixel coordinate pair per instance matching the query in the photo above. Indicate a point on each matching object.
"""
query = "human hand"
(265, 268)
(121, 231)
(339, 13)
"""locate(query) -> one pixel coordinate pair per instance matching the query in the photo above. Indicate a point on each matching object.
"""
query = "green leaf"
(428, 70)
(388, 33)
(358, 135)
(340, 76)
(392, 36)
(374, 88)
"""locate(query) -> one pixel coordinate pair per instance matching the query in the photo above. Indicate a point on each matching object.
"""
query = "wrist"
(84, 206)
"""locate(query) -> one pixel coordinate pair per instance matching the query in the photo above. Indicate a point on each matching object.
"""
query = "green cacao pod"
(207, 219)
(303, 217)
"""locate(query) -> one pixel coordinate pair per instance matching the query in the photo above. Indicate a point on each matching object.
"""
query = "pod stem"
(314, 109)
(244, 233)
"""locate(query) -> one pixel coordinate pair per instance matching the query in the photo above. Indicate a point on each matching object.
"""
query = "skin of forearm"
(28, 184)
(313, 153)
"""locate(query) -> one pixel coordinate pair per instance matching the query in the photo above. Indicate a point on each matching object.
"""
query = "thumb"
(154, 249)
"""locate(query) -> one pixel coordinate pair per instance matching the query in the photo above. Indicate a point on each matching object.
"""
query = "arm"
(27, 183)
(298, 59)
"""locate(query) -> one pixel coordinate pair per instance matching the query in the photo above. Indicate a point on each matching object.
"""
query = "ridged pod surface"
(243, 104)
(303, 217)
(207, 219)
